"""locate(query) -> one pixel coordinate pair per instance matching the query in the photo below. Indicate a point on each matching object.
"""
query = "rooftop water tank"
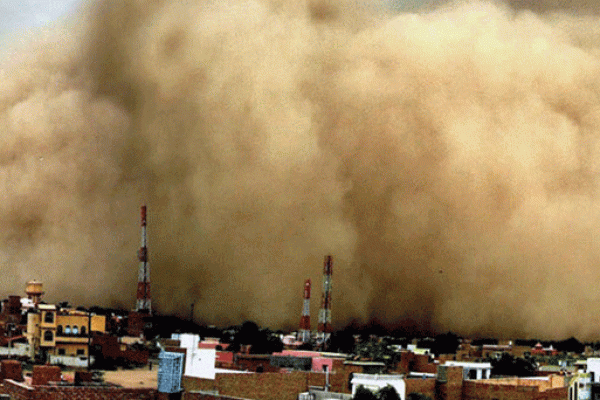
(170, 371)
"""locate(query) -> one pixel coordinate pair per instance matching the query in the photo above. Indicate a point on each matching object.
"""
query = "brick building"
(111, 349)
(411, 362)
(269, 385)
(450, 384)
(23, 391)
(46, 383)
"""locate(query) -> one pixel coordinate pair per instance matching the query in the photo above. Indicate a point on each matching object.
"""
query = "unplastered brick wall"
(452, 388)
(42, 374)
(169, 396)
(263, 386)
(11, 369)
(346, 376)
(541, 384)
(549, 382)
(555, 394)
(486, 391)
(16, 390)
(201, 396)
(191, 384)
(558, 381)
(454, 375)
(406, 359)
(20, 391)
(338, 381)
(421, 364)
(422, 386)
(266, 386)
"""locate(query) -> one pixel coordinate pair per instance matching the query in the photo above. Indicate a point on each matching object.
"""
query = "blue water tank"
(170, 371)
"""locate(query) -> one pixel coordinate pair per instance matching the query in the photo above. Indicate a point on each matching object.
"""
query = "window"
(80, 352)
(48, 336)
(61, 352)
(59, 330)
(83, 330)
(68, 330)
(75, 330)
(49, 317)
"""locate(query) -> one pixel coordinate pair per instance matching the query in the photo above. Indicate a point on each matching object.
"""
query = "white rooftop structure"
(593, 366)
(374, 382)
(200, 363)
(472, 370)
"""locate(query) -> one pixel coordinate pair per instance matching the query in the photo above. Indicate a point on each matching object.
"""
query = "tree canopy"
(363, 393)
(385, 393)
(261, 341)
(508, 365)
(388, 393)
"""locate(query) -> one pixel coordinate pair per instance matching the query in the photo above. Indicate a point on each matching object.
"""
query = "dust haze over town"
(446, 155)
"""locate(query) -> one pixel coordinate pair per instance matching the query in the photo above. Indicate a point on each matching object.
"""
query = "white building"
(413, 348)
(374, 382)
(593, 366)
(199, 363)
(472, 370)
(580, 387)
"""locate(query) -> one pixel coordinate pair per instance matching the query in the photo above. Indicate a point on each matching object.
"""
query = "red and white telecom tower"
(304, 331)
(143, 290)
(324, 327)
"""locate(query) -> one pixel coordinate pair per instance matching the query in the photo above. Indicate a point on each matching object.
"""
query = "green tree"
(363, 393)
(446, 343)
(571, 345)
(266, 342)
(261, 341)
(417, 396)
(508, 365)
(342, 341)
(376, 349)
(388, 393)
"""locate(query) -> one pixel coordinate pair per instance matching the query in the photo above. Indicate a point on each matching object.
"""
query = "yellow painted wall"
(70, 343)
(98, 322)
(71, 349)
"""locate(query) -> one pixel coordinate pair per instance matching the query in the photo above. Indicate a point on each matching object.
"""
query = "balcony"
(71, 339)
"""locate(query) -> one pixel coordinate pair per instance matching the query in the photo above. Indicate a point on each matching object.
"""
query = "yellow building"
(61, 332)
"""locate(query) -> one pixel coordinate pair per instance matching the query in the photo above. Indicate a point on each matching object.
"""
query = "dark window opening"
(49, 317)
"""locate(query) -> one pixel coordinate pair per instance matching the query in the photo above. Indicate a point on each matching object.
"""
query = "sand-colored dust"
(446, 158)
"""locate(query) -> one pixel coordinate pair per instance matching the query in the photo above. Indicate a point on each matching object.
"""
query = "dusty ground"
(136, 378)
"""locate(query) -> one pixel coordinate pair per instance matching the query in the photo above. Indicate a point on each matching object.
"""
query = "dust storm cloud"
(446, 158)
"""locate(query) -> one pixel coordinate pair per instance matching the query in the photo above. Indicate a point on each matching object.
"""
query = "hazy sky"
(448, 161)
(19, 17)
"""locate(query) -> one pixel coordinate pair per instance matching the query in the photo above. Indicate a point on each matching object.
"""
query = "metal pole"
(89, 339)
(9, 326)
